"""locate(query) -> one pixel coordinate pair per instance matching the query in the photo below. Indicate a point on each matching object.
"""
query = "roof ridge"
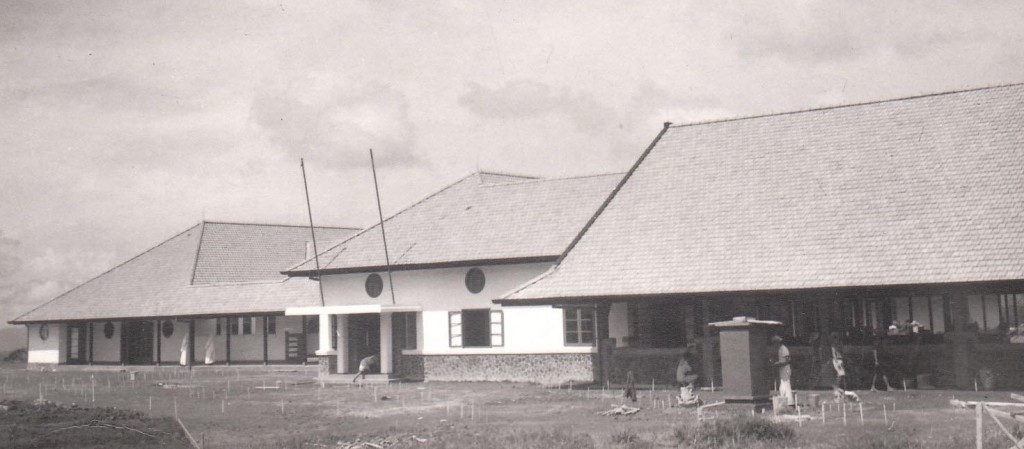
(498, 173)
(594, 216)
(843, 106)
(106, 272)
(567, 178)
(368, 228)
(199, 249)
(276, 225)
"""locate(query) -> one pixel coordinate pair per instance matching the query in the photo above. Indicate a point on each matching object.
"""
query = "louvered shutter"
(497, 328)
(455, 329)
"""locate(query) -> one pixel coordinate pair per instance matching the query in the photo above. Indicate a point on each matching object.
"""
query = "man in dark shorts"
(881, 364)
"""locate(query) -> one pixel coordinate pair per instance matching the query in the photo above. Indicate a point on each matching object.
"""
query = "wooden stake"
(844, 415)
(823, 413)
(978, 427)
(860, 405)
(885, 416)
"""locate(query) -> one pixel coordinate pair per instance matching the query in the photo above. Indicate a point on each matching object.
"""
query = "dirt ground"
(282, 407)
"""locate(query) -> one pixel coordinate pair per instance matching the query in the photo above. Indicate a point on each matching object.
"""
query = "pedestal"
(746, 371)
(327, 364)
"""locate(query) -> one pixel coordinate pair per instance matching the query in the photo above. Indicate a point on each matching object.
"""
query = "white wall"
(433, 289)
(528, 329)
(50, 350)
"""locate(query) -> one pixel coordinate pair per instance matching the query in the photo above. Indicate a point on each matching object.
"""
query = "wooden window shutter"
(497, 328)
(455, 329)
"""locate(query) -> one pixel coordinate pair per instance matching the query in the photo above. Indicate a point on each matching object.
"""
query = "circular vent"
(167, 328)
(374, 285)
(108, 330)
(475, 280)
(44, 331)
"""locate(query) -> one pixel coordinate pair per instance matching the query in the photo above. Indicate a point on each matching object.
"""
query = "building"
(836, 221)
(450, 255)
(214, 291)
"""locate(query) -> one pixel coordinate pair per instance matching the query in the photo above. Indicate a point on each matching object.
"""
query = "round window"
(374, 285)
(108, 330)
(475, 280)
(167, 328)
(44, 331)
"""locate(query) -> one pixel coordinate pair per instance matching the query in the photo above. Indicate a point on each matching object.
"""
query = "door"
(363, 339)
(76, 343)
(138, 342)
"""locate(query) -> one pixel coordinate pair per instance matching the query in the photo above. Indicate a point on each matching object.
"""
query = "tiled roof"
(920, 190)
(482, 217)
(235, 268)
(236, 252)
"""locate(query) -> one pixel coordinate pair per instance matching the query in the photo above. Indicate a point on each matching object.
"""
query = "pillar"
(342, 336)
(326, 356)
(960, 342)
(385, 343)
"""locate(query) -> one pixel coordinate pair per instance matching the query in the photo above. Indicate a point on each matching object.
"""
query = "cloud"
(335, 121)
(521, 99)
(28, 280)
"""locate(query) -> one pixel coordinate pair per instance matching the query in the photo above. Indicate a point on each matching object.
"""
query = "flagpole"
(312, 232)
(383, 235)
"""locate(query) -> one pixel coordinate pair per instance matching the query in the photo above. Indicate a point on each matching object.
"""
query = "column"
(227, 344)
(159, 342)
(385, 343)
(264, 340)
(342, 336)
(326, 356)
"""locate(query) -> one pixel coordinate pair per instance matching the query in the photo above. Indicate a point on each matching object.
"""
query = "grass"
(736, 431)
(229, 408)
(26, 425)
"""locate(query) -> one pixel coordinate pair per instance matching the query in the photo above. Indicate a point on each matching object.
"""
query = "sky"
(124, 123)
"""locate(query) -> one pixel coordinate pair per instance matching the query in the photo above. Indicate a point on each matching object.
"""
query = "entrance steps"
(370, 379)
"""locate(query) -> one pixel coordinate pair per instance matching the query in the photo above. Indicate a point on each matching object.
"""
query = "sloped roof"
(211, 268)
(920, 190)
(481, 218)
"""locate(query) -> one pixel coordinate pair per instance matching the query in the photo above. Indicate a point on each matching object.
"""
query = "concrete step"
(369, 379)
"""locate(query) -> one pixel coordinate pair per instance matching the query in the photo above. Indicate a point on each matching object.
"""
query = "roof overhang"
(422, 266)
(349, 310)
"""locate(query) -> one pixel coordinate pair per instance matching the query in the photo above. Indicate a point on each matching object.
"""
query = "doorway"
(76, 343)
(137, 339)
(363, 339)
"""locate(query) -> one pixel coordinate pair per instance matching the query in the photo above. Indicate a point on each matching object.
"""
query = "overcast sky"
(123, 123)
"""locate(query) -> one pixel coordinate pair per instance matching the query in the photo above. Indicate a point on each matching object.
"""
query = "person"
(840, 367)
(365, 365)
(783, 363)
(210, 350)
(686, 371)
(879, 368)
(183, 359)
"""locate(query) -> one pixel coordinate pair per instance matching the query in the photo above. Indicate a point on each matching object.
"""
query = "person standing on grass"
(877, 354)
(365, 365)
(783, 363)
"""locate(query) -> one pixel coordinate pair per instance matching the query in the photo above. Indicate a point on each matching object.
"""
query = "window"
(374, 285)
(312, 324)
(217, 320)
(579, 325)
(271, 325)
(404, 325)
(476, 328)
(233, 325)
(658, 324)
(475, 280)
(247, 325)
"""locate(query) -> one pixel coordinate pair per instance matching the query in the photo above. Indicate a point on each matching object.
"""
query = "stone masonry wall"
(539, 368)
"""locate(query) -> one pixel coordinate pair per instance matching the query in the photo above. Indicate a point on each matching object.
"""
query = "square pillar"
(342, 336)
(746, 373)
(326, 356)
(385, 343)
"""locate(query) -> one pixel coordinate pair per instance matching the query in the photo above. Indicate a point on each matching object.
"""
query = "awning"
(349, 310)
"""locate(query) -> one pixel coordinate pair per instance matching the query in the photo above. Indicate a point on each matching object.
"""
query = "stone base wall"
(538, 368)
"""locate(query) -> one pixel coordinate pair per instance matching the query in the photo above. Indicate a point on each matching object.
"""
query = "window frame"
(495, 328)
(579, 312)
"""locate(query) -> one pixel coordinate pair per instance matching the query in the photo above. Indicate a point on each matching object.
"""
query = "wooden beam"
(227, 352)
(191, 342)
(91, 338)
(265, 327)
(124, 349)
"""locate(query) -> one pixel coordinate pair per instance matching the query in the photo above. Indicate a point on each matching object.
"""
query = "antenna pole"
(312, 232)
(383, 235)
